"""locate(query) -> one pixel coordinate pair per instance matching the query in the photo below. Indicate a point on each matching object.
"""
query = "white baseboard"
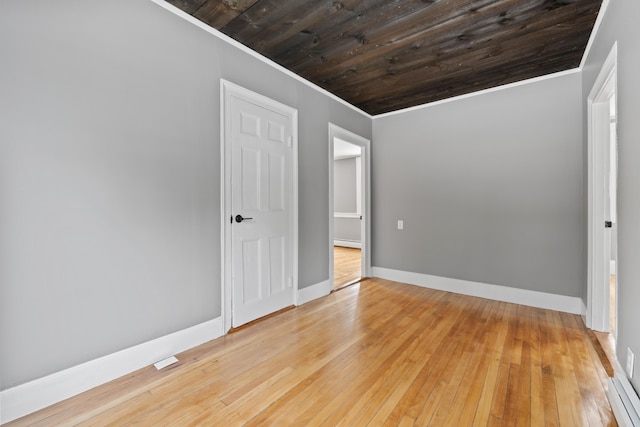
(484, 290)
(623, 399)
(348, 244)
(617, 406)
(37, 394)
(312, 292)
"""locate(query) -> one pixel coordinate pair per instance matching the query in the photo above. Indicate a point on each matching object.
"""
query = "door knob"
(239, 218)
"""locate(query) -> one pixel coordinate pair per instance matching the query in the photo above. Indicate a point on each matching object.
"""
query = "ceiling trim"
(481, 92)
(603, 9)
(171, 8)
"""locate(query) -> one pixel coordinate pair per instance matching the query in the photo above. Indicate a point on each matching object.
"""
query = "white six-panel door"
(260, 145)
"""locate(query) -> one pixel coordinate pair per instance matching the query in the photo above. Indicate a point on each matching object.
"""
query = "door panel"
(250, 257)
(261, 187)
(277, 268)
(276, 181)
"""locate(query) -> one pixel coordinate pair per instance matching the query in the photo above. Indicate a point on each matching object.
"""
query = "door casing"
(598, 293)
(228, 89)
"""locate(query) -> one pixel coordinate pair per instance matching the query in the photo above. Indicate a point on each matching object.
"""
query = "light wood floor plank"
(377, 353)
(347, 264)
(498, 403)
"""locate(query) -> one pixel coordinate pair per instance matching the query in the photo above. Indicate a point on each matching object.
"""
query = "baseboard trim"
(623, 399)
(617, 406)
(37, 394)
(348, 244)
(484, 290)
(313, 292)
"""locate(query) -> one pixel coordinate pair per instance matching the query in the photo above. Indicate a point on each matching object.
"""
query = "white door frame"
(365, 226)
(598, 293)
(227, 90)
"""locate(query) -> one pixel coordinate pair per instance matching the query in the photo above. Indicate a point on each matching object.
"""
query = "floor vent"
(165, 362)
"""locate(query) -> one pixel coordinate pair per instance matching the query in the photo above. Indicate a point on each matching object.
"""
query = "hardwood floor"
(376, 353)
(346, 265)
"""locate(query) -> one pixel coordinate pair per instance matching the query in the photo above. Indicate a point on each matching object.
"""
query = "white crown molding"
(37, 394)
(484, 290)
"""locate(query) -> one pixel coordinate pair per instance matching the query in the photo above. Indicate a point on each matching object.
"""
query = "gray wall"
(109, 177)
(345, 200)
(621, 24)
(489, 187)
(347, 229)
(344, 186)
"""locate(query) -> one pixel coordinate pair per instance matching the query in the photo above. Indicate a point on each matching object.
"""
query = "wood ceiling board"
(454, 83)
(319, 34)
(386, 55)
(299, 28)
(361, 39)
(434, 46)
(461, 64)
(220, 13)
(188, 6)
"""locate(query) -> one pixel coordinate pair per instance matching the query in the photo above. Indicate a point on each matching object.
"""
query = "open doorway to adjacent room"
(347, 213)
(348, 172)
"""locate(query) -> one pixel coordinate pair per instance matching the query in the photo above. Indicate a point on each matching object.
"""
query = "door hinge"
(608, 224)
(231, 219)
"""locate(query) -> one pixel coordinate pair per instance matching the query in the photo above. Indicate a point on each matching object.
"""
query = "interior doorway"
(348, 207)
(347, 213)
(602, 192)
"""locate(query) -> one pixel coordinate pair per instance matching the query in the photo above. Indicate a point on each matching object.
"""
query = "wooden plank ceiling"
(382, 55)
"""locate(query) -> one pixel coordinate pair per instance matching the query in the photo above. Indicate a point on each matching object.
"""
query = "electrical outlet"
(400, 224)
(630, 359)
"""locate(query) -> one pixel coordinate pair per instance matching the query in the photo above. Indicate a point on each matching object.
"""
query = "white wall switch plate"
(630, 360)
(400, 224)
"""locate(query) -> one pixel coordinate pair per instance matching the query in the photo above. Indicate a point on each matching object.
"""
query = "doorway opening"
(602, 192)
(348, 207)
(347, 213)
